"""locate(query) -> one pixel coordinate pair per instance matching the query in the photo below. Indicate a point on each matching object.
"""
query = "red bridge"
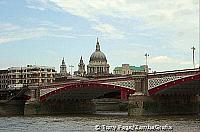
(179, 82)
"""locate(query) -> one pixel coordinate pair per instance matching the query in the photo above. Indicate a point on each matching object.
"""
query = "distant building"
(81, 69)
(4, 79)
(98, 63)
(63, 68)
(126, 69)
(14, 77)
(63, 71)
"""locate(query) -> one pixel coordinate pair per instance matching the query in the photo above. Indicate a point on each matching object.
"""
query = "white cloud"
(168, 63)
(154, 11)
(8, 26)
(10, 32)
(108, 30)
(174, 17)
(41, 5)
(21, 34)
(37, 8)
(175, 14)
(92, 9)
(165, 59)
(160, 59)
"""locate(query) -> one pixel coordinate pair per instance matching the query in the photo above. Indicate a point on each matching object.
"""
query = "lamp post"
(71, 66)
(146, 55)
(193, 49)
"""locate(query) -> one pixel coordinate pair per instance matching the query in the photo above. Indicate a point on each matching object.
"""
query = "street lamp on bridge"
(146, 55)
(193, 49)
(71, 66)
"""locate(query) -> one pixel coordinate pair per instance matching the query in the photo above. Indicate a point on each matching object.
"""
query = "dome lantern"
(97, 45)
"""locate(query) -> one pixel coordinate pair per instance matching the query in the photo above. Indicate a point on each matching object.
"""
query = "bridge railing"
(101, 80)
(175, 72)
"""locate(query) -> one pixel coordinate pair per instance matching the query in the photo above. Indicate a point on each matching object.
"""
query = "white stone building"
(29, 75)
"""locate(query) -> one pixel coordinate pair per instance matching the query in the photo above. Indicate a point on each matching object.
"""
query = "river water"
(101, 122)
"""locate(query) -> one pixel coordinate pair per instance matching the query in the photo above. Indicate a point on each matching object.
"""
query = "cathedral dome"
(98, 55)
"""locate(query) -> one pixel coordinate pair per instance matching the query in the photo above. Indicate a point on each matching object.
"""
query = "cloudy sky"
(43, 31)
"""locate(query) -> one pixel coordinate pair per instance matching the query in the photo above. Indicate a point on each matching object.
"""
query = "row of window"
(27, 75)
(3, 86)
(30, 81)
(3, 76)
(126, 72)
(29, 70)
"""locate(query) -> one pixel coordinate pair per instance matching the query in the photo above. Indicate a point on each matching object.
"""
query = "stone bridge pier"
(32, 105)
(164, 105)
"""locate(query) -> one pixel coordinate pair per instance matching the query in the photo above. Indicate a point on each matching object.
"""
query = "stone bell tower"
(63, 68)
(81, 67)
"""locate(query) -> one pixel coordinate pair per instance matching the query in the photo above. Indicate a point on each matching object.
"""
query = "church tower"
(81, 68)
(63, 68)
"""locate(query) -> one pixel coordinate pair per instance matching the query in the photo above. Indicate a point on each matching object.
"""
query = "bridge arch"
(181, 85)
(86, 90)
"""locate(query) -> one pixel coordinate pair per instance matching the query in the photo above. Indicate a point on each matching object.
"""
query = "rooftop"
(30, 67)
(134, 68)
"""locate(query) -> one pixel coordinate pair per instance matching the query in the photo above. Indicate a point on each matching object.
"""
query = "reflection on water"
(87, 123)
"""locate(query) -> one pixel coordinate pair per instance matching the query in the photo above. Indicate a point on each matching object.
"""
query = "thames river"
(100, 122)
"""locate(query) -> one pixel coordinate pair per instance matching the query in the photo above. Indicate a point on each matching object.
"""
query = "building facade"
(98, 63)
(35, 75)
(4, 79)
(126, 69)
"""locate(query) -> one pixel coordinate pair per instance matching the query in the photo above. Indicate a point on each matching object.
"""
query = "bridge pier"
(163, 105)
(32, 106)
